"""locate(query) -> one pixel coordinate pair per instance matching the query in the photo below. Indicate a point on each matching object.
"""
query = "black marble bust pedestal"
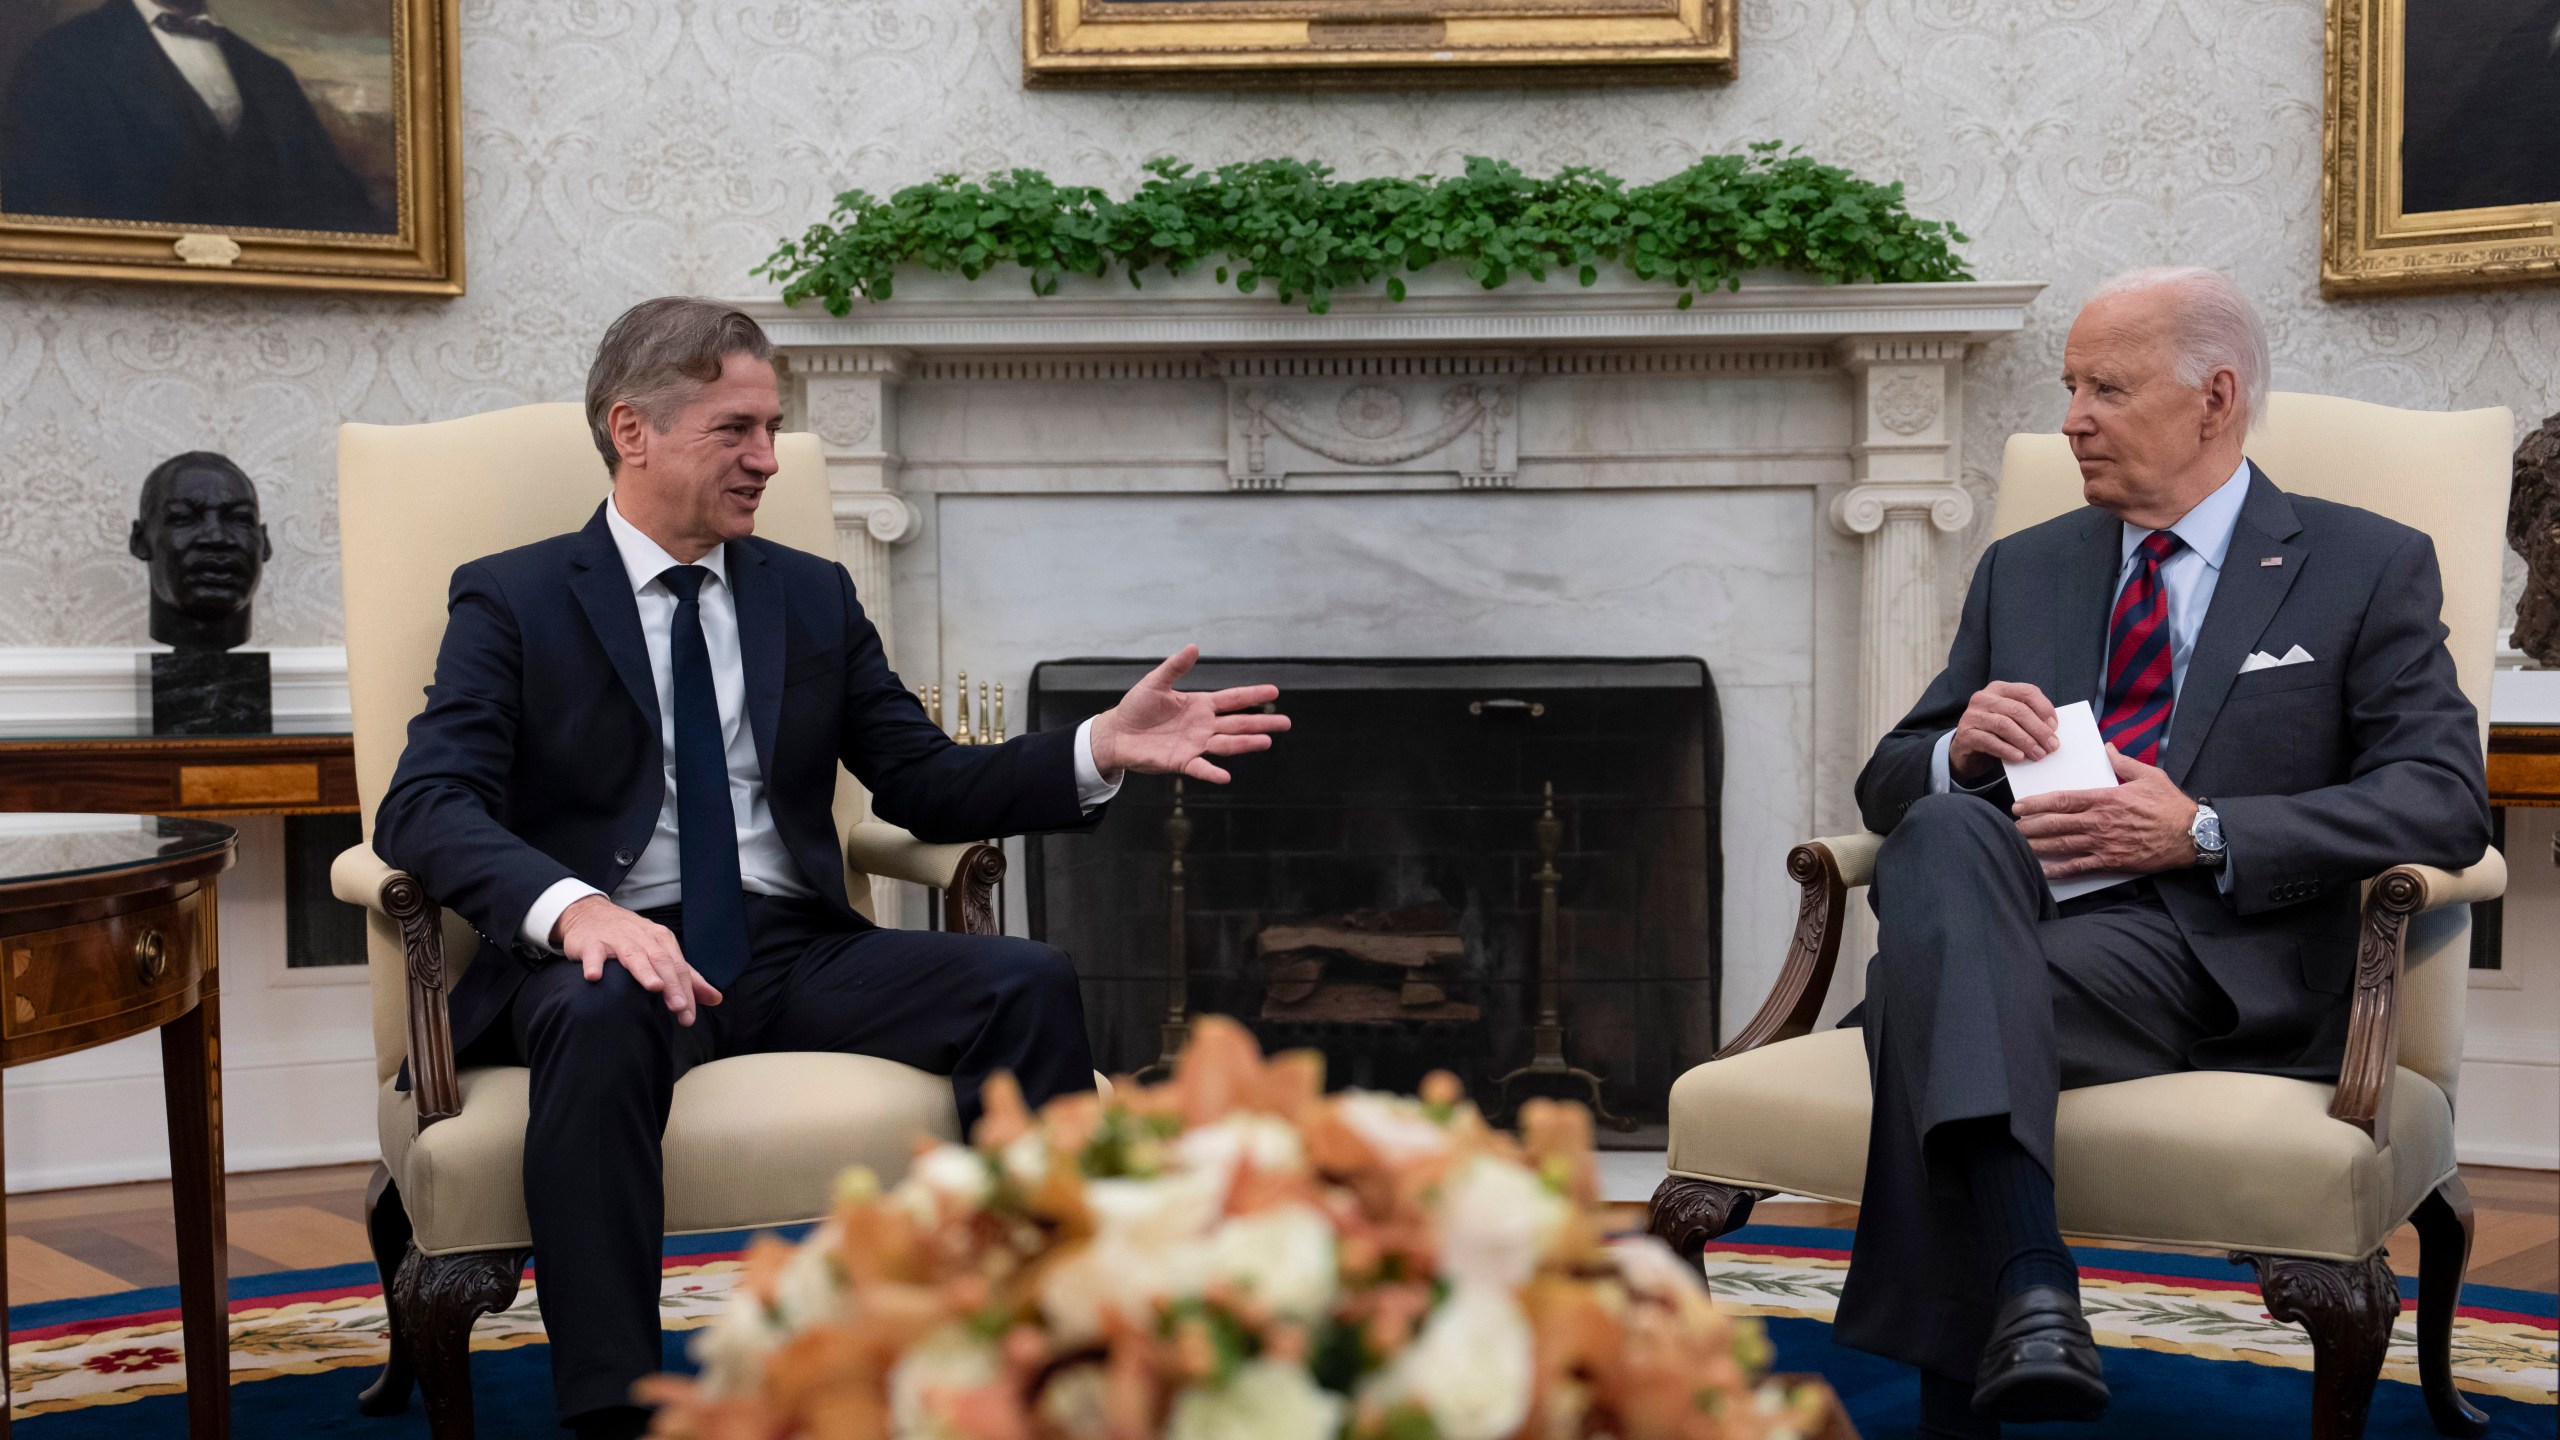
(211, 692)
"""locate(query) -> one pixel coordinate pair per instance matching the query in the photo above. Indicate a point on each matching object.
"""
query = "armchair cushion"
(2210, 1159)
(752, 1141)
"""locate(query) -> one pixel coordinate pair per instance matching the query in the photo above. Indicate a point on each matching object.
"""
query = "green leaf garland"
(1291, 226)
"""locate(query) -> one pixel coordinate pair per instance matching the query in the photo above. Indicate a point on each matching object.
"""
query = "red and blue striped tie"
(2140, 690)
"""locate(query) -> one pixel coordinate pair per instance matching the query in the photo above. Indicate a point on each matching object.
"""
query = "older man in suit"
(153, 111)
(622, 778)
(2270, 675)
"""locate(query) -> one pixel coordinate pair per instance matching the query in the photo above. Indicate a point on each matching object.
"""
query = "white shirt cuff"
(546, 911)
(1942, 780)
(1091, 789)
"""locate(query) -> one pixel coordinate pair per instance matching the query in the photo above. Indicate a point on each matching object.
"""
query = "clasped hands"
(2140, 827)
(1154, 730)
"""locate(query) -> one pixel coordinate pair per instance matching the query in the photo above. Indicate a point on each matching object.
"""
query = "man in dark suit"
(622, 779)
(151, 111)
(2270, 675)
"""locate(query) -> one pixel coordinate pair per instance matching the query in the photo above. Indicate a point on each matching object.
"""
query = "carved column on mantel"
(1903, 494)
(846, 396)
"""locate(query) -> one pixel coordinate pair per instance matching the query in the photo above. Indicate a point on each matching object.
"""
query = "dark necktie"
(2141, 689)
(715, 905)
(186, 17)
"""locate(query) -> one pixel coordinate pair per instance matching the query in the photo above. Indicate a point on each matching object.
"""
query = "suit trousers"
(606, 1056)
(1986, 999)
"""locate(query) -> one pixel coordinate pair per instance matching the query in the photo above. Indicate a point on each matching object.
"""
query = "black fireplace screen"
(1505, 868)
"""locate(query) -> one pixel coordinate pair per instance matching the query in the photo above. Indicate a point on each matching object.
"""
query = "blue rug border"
(45, 1313)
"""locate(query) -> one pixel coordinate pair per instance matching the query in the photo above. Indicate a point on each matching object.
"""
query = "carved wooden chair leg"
(2444, 1253)
(1686, 1214)
(386, 1224)
(435, 1300)
(2348, 1307)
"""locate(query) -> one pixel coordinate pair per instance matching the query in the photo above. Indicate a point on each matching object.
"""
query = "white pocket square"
(2261, 660)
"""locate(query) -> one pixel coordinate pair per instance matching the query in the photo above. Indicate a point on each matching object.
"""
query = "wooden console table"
(126, 773)
(2524, 764)
(107, 930)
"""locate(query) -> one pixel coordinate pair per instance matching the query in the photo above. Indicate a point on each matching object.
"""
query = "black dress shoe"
(2041, 1363)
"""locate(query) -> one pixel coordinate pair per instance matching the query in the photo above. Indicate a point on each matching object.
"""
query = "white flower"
(1395, 1127)
(1655, 1271)
(810, 1291)
(1282, 1257)
(1469, 1368)
(944, 1179)
(1492, 1220)
(731, 1350)
(1026, 1160)
(1149, 1246)
(1269, 1143)
(1075, 1402)
(1264, 1400)
(951, 1359)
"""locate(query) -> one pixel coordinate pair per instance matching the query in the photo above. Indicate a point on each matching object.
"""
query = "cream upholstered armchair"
(755, 1140)
(2305, 1180)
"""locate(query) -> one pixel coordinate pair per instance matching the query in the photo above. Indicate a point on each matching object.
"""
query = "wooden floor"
(68, 1243)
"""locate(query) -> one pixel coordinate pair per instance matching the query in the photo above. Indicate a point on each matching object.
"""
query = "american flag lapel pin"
(2270, 560)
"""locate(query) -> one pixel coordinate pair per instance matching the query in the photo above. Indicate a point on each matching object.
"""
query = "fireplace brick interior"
(1370, 888)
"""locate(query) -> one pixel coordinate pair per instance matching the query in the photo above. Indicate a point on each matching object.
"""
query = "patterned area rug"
(2190, 1351)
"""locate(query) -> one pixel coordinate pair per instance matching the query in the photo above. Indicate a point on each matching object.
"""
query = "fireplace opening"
(1509, 869)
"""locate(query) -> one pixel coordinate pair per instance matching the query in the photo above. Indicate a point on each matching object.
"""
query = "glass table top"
(40, 846)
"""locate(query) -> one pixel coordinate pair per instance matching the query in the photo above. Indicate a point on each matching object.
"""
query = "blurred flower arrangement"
(1233, 1255)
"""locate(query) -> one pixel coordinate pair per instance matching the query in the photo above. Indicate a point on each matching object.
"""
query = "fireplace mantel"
(1762, 480)
(1903, 345)
(935, 314)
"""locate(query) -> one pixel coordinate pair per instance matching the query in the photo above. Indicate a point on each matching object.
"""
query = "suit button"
(623, 857)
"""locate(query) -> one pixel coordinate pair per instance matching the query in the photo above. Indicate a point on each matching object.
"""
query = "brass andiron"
(964, 735)
(996, 726)
(1177, 974)
(1546, 1038)
(986, 717)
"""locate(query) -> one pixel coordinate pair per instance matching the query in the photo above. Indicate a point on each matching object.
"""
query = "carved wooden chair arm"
(1827, 870)
(359, 877)
(966, 875)
(2372, 1056)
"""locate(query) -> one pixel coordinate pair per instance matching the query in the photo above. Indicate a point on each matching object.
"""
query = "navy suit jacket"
(100, 125)
(537, 757)
(2325, 774)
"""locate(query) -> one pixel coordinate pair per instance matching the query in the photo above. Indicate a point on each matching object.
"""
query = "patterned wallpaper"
(622, 148)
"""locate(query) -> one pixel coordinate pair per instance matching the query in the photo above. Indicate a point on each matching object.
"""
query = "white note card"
(2079, 762)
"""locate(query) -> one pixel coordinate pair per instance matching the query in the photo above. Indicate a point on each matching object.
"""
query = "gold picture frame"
(1224, 44)
(2370, 241)
(330, 159)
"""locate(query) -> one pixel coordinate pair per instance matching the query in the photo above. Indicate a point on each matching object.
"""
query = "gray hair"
(659, 355)
(2213, 326)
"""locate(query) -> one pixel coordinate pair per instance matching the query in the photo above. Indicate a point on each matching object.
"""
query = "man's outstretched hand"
(594, 930)
(1158, 730)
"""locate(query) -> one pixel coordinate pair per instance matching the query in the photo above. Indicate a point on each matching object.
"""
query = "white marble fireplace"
(1758, 481)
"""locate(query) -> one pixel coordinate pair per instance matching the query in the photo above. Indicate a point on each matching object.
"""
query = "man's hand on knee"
(2141, 827)
(2005, 720)
(594, 930)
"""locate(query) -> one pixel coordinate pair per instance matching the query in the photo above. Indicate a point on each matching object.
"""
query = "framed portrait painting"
(2441, 170)
(302, 143)
(1373, 43)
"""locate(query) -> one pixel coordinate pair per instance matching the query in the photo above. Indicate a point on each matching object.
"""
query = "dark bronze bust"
(198, 530)
(2533, 528)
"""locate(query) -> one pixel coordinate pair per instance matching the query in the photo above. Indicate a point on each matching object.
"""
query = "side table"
(107, 930)
(125, 769)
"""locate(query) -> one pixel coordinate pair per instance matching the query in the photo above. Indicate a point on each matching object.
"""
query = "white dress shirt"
(200, 61)
(764, 865)
(2188, 576)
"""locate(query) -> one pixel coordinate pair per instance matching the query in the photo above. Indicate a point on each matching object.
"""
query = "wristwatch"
(2207, 833)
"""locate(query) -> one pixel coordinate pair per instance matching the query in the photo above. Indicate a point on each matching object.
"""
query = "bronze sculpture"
(2533, 529)
(198, 529)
